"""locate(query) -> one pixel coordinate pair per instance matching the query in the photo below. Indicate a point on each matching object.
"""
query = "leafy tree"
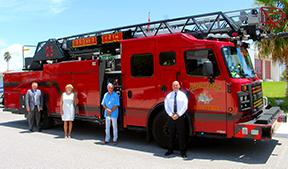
(7, 57)
(283, 75)
(276, 47)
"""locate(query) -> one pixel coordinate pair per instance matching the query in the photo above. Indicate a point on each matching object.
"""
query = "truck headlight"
(241, 98)
(244, 130)
(255, 132)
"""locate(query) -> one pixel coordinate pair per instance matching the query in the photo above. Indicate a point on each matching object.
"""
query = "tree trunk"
(7, 65)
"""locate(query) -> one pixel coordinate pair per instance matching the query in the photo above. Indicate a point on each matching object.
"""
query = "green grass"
(275, 91)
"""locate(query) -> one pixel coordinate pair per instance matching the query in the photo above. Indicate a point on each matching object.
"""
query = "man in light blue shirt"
(110, 103)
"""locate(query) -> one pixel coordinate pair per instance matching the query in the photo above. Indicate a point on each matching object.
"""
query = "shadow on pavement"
(237, 150)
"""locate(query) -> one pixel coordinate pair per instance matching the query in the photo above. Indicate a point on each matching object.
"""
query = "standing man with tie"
(176, 104)
(34, 104)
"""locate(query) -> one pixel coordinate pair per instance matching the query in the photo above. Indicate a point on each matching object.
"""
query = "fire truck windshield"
(238, 62)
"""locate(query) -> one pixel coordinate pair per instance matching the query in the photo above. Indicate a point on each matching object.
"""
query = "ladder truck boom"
(240, 24)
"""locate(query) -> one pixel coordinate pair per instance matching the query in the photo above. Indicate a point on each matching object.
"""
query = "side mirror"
(208, 68)
(208, 71)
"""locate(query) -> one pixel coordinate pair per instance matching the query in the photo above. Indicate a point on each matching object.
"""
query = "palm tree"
(7, 57)
(276, 47)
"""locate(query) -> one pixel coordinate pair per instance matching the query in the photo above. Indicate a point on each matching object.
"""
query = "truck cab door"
(207, 103)
(168, 71)
(138, 81)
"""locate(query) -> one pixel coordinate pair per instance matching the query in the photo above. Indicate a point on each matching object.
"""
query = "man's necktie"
(35, 91)
(175, 103)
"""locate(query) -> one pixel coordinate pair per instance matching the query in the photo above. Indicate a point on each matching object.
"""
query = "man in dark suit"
(34, 104)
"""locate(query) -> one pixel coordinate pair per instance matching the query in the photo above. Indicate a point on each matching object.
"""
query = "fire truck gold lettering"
(84, 42)
(200, 86)
(205, 107)
(212, 86)
(137, 113)
(109, 38)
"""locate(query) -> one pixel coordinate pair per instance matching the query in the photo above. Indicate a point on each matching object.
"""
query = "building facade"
(266, 69)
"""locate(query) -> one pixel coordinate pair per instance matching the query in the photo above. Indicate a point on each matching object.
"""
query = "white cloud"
(16, 8)
(58, 6)
(2, 42)
(16, 57)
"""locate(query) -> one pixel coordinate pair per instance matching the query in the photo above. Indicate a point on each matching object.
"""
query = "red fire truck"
(205, 53)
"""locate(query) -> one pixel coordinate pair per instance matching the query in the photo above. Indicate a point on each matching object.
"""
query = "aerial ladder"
(253, 23)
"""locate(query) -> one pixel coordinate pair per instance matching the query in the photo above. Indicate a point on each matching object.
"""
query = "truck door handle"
(177, 74)
(129, 94)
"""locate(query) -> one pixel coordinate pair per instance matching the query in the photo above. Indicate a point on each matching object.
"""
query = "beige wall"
(275, 67)
(274, 70)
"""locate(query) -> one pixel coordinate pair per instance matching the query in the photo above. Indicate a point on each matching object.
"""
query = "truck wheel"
(46, 122)
(161, 132)
(160, 129)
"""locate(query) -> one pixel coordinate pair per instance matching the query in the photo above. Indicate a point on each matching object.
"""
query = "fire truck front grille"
(250, 98)
(257, 96)
(244, 101)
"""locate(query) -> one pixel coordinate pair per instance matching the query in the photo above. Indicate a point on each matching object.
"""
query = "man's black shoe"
(168, 153)
(39, 130)
(184, 155)
(30, 131)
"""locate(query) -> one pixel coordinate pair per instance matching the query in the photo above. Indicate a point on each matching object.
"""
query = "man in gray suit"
(34, 104)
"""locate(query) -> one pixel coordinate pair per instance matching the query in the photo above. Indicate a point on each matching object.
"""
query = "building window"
(194, 60)
(267, 69)
(142, 65)
(167, 58)
(258, 68)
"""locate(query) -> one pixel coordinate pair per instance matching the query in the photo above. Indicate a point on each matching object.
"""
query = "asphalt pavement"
(49, 149)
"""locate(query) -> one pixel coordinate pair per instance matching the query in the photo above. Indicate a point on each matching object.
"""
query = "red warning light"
(234, 34)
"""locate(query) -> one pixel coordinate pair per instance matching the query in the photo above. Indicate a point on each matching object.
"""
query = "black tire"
(160, 129)
(161, 132)
(46, 122)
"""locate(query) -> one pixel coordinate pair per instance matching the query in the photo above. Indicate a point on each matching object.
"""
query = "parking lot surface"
(49, 149)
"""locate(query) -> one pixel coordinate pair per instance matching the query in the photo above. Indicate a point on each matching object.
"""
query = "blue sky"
(26, 22)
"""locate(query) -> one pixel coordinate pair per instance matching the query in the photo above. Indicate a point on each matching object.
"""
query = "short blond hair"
(69, 85)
